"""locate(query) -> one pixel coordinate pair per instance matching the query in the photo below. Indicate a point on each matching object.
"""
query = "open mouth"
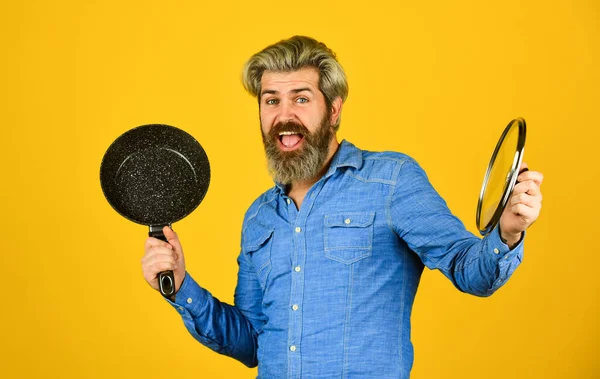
(290, 140)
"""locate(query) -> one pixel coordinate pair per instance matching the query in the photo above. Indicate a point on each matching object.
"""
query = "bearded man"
(332, 255)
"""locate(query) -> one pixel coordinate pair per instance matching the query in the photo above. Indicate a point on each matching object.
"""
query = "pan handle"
(166, 279)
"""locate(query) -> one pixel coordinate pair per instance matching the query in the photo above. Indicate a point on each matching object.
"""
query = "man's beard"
(303, 163)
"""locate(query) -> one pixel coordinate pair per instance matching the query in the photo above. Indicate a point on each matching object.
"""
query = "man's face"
(295, 123)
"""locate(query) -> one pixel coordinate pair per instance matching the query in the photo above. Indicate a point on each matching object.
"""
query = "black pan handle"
(166, 279)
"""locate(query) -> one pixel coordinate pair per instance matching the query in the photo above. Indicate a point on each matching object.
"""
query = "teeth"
(286, 133)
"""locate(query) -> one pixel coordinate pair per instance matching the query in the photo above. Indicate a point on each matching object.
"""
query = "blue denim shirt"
(327, 291)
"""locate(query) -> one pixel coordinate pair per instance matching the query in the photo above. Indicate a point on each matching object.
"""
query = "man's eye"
(302, 100)
(271, 101)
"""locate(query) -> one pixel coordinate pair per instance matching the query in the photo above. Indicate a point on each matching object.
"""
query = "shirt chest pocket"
(348, 236)
(258, 250)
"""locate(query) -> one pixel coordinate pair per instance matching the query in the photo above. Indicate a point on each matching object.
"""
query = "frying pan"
(501, 176)
(155, 175)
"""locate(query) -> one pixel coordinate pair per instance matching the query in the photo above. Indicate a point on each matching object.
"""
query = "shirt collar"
(347, 155)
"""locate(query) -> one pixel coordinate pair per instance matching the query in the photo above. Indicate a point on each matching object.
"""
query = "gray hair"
(294, 54)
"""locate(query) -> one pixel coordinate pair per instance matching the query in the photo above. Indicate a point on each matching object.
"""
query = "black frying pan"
(155, 175)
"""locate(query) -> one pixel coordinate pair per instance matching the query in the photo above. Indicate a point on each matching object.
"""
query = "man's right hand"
(161, 256)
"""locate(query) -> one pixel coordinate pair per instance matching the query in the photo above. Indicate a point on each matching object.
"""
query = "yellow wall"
(435, 80)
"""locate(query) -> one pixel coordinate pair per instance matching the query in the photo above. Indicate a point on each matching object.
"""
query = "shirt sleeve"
(230, 330)
(422, 219)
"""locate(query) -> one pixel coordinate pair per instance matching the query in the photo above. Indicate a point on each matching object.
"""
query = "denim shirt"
(326, 291)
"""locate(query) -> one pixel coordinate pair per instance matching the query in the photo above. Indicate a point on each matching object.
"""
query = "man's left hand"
(523, 207)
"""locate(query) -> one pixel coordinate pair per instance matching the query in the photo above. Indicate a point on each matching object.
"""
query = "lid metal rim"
(510, 185)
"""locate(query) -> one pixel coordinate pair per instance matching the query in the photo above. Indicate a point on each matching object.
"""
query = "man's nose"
(286, 112)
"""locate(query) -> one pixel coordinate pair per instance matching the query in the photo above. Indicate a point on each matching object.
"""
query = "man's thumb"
(172, 238)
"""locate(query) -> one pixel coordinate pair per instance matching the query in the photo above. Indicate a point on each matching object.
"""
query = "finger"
(157, 267)
(536, 177)
(151, 279)
(151, 270)
(523, 167)
(158, 254)
(529, 187)
(528, 214)
(526, 199)
(172, 238)
(152, 242)
(151, 273)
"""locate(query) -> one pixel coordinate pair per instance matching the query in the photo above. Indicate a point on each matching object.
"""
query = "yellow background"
(436, 80)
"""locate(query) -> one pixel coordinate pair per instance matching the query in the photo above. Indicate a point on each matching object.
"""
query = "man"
(332, 255)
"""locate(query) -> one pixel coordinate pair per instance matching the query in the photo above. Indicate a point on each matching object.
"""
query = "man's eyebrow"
(269, 91)
(298, 90)
(295, 90)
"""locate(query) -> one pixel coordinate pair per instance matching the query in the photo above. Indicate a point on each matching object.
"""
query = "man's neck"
(298, 189)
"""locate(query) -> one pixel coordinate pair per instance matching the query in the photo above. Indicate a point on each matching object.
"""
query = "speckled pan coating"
(155, 174)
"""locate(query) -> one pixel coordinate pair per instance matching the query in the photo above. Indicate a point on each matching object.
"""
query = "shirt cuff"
(190, 300)
(508, 260)
(496, 246)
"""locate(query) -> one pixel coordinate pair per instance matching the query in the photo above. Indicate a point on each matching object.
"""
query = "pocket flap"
(254, 241)
(350, 219)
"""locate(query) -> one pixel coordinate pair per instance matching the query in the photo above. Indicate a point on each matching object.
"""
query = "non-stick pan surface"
(155, 174)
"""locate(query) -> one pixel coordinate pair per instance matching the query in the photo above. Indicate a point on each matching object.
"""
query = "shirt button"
(292, 348)
(295, 307)
(347, 221)
(288, 201)
(496, 251)
(297, 269)
(298, 229)
(189, 300)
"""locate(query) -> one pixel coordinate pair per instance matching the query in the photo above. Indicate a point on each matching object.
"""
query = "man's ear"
(336, 110)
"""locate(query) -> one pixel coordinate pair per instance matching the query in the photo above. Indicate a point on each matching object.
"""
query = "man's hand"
(162, 256)
(523, 207)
